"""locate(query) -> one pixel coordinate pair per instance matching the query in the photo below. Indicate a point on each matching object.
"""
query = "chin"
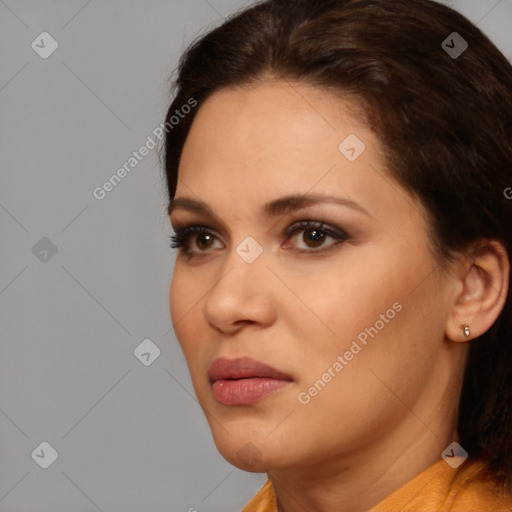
(246, 436)
(244, 454)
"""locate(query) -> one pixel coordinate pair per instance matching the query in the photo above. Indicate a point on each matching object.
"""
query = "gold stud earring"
(465, 330)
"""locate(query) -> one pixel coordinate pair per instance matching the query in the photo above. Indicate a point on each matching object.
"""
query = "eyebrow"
(274, 208)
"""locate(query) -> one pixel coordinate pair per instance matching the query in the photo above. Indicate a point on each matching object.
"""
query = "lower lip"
(245, 391)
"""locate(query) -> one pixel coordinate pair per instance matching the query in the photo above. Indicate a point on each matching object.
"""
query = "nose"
(242, 295)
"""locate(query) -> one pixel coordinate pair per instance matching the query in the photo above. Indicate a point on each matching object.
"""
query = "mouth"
(244, 381)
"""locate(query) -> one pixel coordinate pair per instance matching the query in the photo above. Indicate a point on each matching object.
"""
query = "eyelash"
(182, 235)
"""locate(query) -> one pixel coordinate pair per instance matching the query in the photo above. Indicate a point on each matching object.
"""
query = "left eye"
(315, 234)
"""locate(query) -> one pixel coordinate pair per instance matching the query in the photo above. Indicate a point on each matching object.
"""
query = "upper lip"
(242, 368)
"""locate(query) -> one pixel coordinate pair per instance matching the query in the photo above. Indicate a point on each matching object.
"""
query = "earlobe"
(483, 286)
(466, 330)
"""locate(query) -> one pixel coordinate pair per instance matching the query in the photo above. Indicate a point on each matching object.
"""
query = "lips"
(243, 381)
(242, 368)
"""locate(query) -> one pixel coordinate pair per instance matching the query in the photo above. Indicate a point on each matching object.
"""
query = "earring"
(465, 330)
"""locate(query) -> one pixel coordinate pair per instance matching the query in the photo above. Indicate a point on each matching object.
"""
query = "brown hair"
(444, 120)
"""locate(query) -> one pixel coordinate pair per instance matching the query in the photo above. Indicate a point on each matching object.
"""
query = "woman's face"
(350, 310)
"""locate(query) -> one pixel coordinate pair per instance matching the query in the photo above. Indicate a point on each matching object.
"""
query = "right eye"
(202, 237)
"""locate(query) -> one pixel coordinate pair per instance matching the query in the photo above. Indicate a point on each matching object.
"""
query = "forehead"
(271, 134)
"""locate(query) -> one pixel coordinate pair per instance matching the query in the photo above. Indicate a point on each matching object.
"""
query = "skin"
(391, 411)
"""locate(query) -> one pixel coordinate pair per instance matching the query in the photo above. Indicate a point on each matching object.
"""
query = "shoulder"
(442, 488)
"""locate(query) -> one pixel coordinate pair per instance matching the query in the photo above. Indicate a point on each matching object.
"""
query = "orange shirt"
(439, 488)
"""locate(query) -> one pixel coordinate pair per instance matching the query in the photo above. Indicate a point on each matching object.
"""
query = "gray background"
(129, 437)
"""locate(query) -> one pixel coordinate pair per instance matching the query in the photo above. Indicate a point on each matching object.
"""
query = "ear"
(481, 291)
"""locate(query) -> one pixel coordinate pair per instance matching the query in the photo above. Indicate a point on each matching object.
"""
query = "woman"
(338, 174)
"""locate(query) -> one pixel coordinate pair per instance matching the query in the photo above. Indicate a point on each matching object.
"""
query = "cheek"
(347, 295)
(185, 293)
(384, 305)
(175, 291)
(184, 307)
(385, 360)
(181, 303)
(175, 304)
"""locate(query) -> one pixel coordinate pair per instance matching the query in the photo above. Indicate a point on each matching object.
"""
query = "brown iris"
(204, 241)
(313, 237)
